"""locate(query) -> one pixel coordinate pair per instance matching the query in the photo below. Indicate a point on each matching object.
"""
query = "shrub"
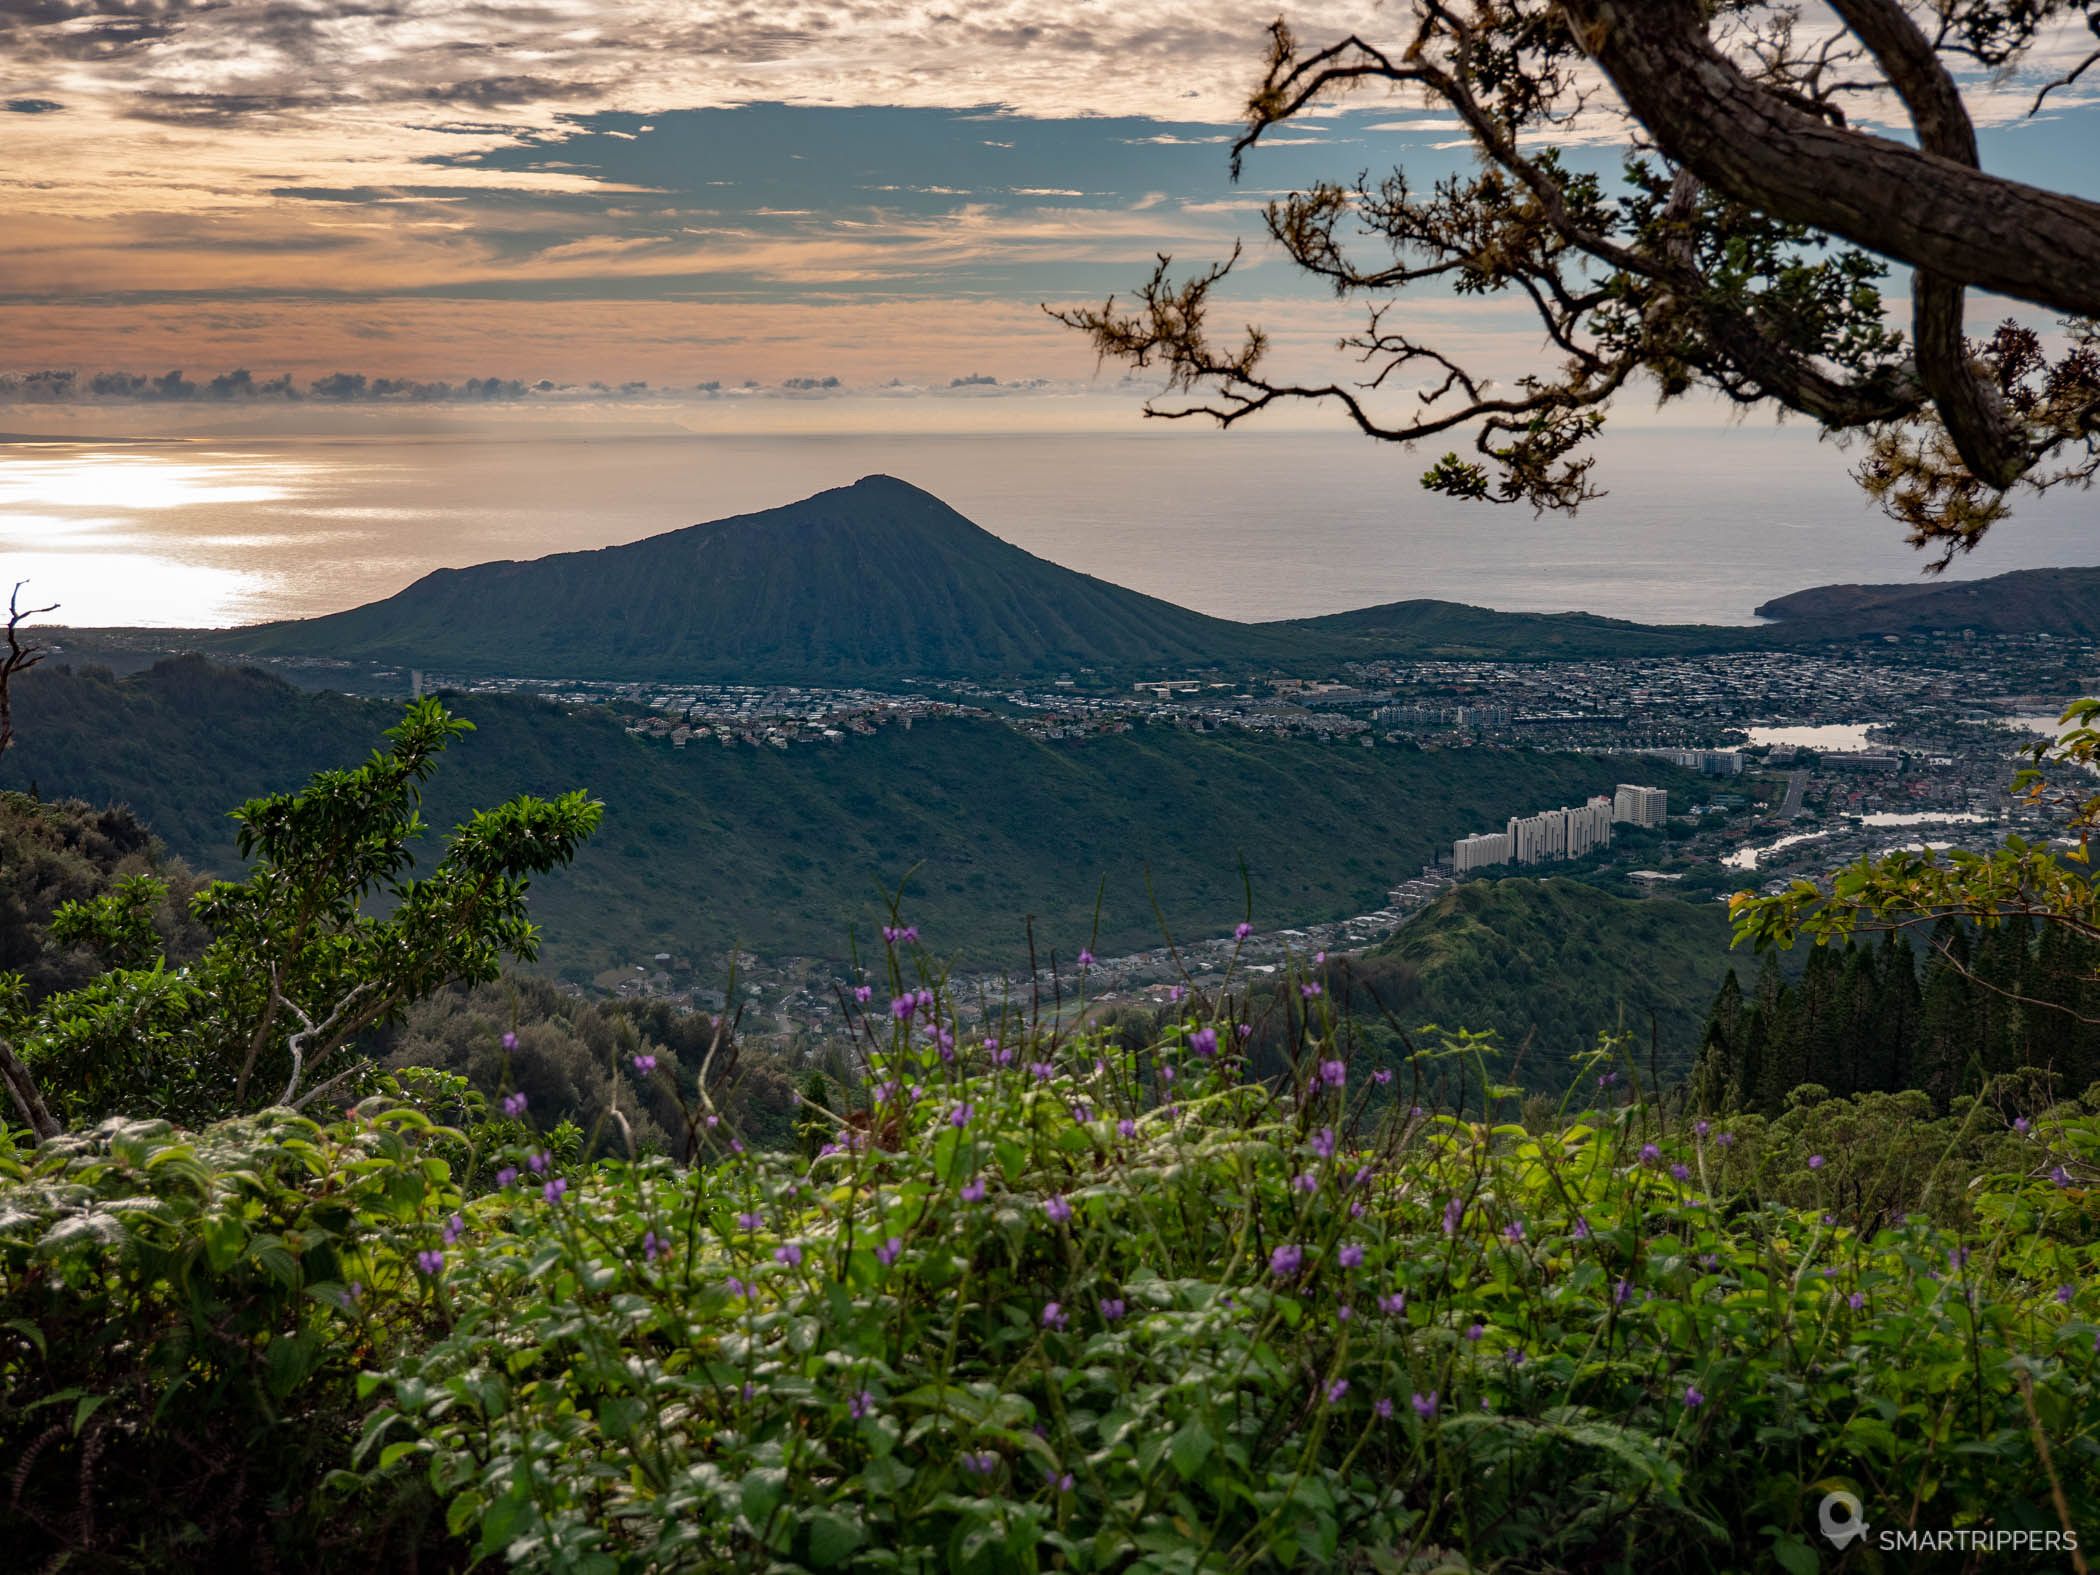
(182, 1319)
(1056, 1303)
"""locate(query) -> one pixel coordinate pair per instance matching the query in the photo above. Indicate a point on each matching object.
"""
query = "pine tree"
(1891, 1033)
(1946, 1060)
(1781, 1062)
(1717, 1073)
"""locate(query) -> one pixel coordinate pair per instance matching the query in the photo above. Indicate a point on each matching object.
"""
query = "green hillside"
(1457, 631)
(1555, 962)
(875, 580)
(2062, 602)
(784, 852)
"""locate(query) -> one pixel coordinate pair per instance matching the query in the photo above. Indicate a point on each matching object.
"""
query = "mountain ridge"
(880, 581)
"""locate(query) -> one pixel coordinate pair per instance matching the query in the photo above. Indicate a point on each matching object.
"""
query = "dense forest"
(1865, 1018)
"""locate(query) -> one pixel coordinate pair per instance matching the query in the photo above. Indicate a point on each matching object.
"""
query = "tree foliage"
(1740, 250)
(330, 933)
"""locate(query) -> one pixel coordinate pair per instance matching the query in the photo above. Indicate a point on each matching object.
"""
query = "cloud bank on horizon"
(835, 196)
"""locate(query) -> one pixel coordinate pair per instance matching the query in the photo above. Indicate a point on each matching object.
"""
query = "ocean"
(1698, 524)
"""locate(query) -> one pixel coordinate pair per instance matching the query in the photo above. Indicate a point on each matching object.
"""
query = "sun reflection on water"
(137, 535)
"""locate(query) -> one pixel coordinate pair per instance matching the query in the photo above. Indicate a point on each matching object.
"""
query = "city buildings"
(1478, 851)
(1633, 805)
(1545, 838)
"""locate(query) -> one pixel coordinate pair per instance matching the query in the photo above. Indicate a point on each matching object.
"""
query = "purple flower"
(1425, 1405)
(430, 1261)
(653, 1246)
(1855, 1301)
(1286, 1260)
(1607, 1079)
(1337, 1389)
(1086, 958)
(1323, 1143)
(1307, 1182)
(1382, 1408)
(889, 1252)
(1082, 1112)
(1474, 1332)
(1204, 1041)
(1333, 1073)
(553, 1190)
(2063, 1294)
(1111, 1308)
(2060, 1176)
(960, 1115)
(1726, 1139)
(1815, 1162)
(1057, 1208)
(749, 1220)
(1309, 989)
(923, 996)
(536, 1161)
(1681, 1172)
(1513, 1232)
(1454, 1212)
(1059, 1480)
(863, 993)
(506, 1175)
(1242, 930)
(1650, 1153)
(734, 1286)
(514, 1105)
(901, 1007)
(1126, 1128)
(789, 1254)
(981, 1463)
(1351, 1256)
(1042, 1070)
(645, 1064)
(2020, 1125)
(1053, 1316)
(1394, 1305)
(1692, 1398)
(1345, 1312)
(1383, 1075)
(1620, 1291)
(1581, 1232)
(510, 1041)
(1701, 1128)
(455, 1228)
(860, 1406)
(973, 1190)
(1176, 993)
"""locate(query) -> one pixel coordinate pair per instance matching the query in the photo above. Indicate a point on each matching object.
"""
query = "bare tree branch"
(19, 658)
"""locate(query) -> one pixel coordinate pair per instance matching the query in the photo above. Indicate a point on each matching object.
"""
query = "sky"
(836, 202)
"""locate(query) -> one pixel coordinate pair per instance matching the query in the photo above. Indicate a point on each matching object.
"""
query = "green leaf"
(224, 1238)
(1191, 1447)
(761, 1493)
(832, 1538)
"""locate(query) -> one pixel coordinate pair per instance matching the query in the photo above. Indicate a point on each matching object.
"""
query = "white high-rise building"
(1588, 826)
(1479, 851)
(1634, 805)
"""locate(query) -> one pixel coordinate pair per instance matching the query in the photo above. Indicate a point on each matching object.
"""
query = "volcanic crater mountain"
(868, 581)
(881, 581)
